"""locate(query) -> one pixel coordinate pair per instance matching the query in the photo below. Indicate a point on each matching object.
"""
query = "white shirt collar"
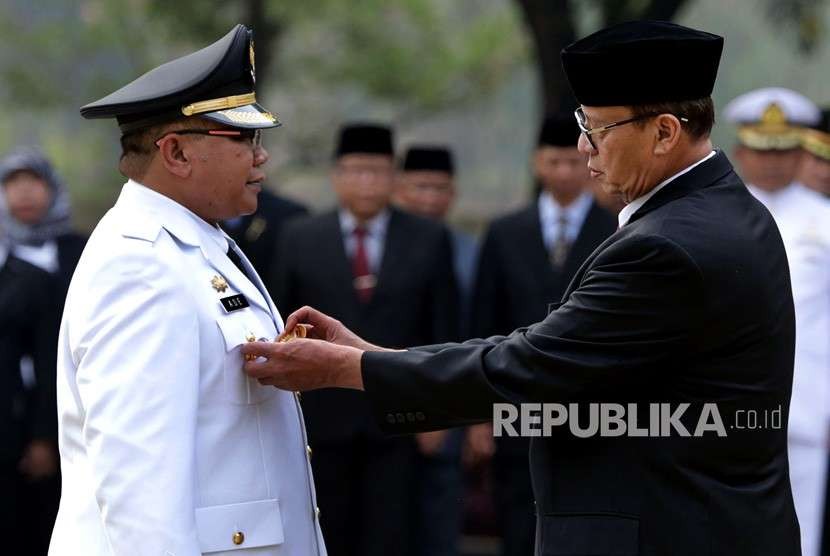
(549, 209)
(375, 227)
(628, 210)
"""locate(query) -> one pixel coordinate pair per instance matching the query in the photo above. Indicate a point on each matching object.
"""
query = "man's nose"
(260, 156)
(583, 145)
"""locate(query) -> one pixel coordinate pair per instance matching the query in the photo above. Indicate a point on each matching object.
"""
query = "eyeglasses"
(252, 136)
(371, 172)
(582, 122)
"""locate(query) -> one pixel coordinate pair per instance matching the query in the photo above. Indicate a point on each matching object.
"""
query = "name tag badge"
(234, 303)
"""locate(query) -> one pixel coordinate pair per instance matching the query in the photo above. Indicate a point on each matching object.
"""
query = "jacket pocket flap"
(594, 534)
(239, 526)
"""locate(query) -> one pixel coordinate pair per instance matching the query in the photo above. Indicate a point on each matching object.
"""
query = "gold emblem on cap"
(219, 283)
(773, 116)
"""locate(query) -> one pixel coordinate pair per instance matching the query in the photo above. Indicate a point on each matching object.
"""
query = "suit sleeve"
(635, 309)
(137, 358)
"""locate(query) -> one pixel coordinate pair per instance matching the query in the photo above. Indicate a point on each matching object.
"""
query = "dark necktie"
(364, 280)
(237, 261)
(561, 246)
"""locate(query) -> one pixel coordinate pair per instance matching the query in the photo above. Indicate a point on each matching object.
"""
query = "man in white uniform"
(771, 127)
(167, 448)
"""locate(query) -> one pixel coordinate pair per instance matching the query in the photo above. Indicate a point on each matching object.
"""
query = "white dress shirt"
(550, 213)
(628, 210)
(375, 236)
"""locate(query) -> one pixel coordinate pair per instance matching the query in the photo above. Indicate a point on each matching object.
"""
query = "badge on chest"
(234, 303)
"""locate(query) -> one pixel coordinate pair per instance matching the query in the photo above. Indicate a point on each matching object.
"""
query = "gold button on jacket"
(238, 537)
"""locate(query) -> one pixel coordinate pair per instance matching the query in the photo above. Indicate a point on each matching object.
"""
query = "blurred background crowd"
(446, 129)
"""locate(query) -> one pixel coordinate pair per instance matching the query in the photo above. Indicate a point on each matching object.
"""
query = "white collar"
(172, 216)
(549, 209)
(375, 227)
(628, 210)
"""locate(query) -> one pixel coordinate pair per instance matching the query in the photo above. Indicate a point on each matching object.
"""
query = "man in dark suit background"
(28, 327)
(688, 303)
(389, 275)
(257, 234)
(528, 259)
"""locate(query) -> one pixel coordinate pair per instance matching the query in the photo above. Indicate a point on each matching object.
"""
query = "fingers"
(259, 349)
(304, 314)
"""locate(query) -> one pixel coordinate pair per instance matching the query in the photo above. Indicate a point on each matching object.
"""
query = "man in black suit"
(688, 303)
(528, 259)
(257, 234)
(389, 275)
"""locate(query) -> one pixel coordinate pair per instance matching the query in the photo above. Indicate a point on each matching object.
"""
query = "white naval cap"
(771, 118)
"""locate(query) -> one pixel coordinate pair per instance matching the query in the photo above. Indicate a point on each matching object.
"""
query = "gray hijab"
(56, 221)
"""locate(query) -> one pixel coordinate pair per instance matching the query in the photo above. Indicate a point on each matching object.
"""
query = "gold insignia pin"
(219, 284)
(250, 338)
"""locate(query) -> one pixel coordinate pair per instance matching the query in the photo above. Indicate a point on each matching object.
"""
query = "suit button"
(308, 451)
(400, 418)
(420, 416)
(238, 538)
(390, 418)
(410, 417)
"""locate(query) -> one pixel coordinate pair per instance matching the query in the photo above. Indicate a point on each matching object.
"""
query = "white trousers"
(808, 472)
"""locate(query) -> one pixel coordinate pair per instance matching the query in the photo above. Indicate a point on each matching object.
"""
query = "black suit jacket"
(689, 302)
(28, 326)
(516, 281)
(257, 234)
(415, 301)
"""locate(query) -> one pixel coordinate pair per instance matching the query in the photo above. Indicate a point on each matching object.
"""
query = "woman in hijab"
(34, 232)
(35, 211)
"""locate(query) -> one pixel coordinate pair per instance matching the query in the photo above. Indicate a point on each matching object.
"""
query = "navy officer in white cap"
(167, 447)
(772, 127)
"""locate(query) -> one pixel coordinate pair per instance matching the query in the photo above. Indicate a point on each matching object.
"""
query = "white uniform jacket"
(803, 218)
(167, 447)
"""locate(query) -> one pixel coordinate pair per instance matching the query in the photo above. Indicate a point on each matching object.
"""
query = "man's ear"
(174, 157)
(668, 130)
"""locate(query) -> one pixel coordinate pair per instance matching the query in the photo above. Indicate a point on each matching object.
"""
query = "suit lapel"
(219, 260)
(260, 286)
(533, 247)
(394, 249)
(336, 261)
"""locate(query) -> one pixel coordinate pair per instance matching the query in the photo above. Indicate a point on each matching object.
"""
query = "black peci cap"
(216, 82)
(642, 62)
(428, 158)
(559, 130)
(364, 139)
